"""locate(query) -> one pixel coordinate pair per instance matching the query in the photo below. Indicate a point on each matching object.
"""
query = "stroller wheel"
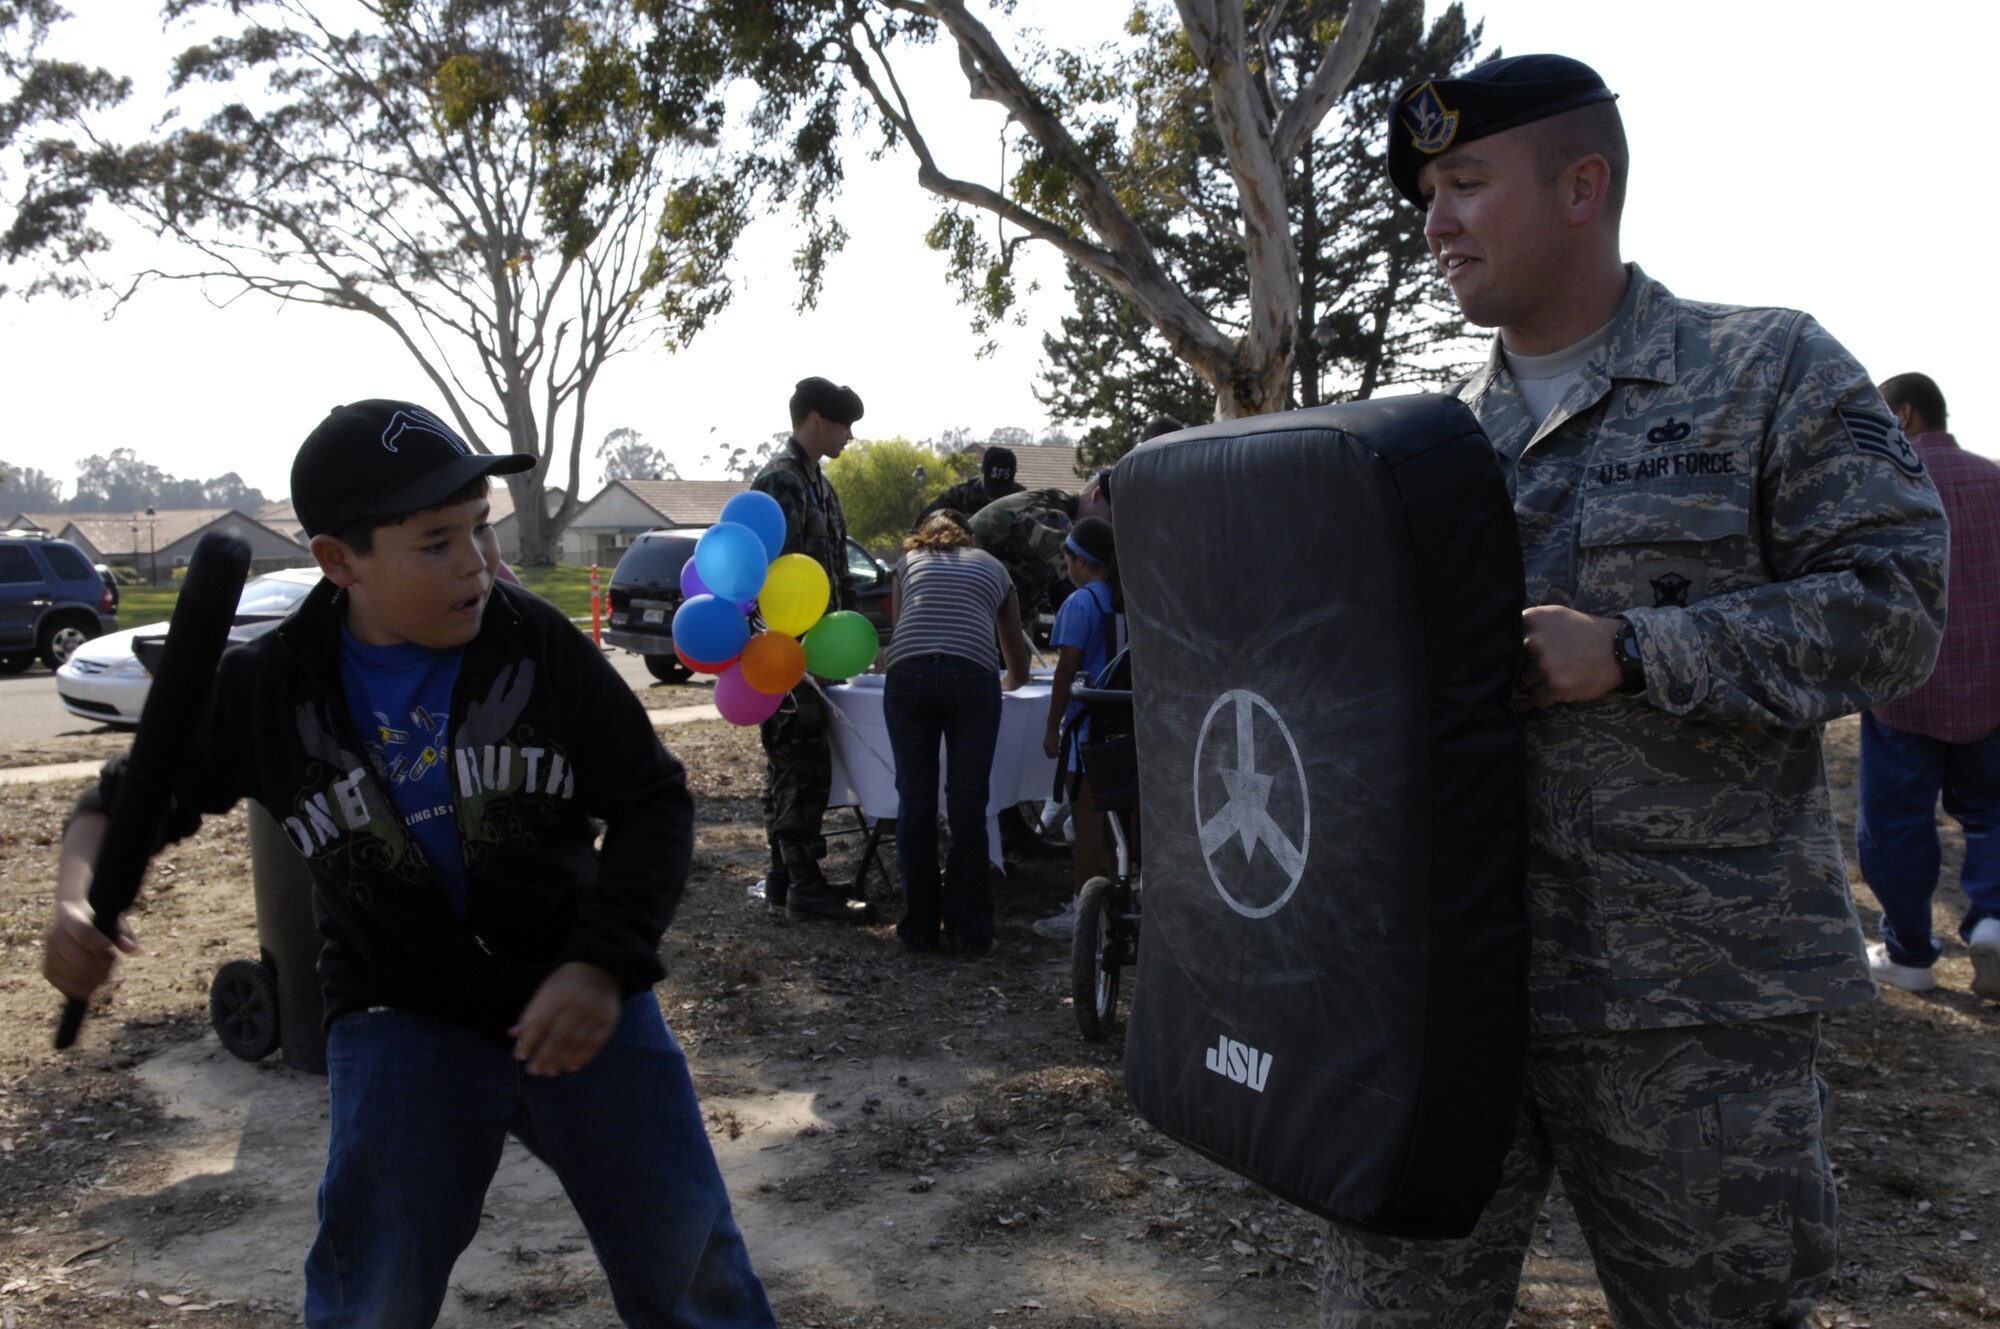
(1093, 964)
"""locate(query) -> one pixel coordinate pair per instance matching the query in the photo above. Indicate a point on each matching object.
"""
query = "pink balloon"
(741, 704)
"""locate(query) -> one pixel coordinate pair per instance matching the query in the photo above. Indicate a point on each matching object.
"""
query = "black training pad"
(1349, 576)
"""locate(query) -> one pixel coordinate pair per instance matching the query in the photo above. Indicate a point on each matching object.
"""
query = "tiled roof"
(1039, 466)
(129, 534)
(1046, 466)
(686, 502)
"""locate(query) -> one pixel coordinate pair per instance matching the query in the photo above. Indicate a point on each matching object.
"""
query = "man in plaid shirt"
(1945, 736)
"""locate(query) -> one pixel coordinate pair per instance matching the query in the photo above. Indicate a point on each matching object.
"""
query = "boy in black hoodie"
(437, 744)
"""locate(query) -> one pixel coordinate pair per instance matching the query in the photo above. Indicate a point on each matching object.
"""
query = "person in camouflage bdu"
(994, 481)
(797, 751)
(1728, 542)
(1025, 531)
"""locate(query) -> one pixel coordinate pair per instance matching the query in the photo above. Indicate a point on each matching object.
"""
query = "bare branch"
(1330, 81)
(1125, 257)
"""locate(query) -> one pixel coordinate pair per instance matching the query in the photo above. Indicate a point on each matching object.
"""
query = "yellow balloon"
(794, 595)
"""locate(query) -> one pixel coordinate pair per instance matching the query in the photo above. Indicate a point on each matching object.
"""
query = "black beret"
(837, 402)
(1431, 115)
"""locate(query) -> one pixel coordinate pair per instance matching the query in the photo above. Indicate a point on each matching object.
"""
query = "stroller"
(1106, 939)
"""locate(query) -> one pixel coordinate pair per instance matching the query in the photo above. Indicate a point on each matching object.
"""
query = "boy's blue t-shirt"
(1085, 622)
(400, 698)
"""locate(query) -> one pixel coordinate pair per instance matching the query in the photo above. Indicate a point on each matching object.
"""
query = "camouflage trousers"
(798, 778)
(1695, 1160)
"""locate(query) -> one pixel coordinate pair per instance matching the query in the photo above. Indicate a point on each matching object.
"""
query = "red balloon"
(699, 667)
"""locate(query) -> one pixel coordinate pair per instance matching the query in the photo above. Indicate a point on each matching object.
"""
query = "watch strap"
(1631, 665)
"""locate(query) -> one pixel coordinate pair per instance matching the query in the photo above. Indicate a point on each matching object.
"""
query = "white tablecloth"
(864, 766)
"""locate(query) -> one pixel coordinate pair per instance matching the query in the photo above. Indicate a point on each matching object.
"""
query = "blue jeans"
(956, 699)
(1895, 830)
(419, 1110)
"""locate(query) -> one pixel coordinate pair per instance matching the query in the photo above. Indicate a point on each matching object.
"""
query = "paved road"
(31, 712)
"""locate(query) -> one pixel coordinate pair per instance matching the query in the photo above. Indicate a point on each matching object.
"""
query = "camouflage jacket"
(1025, 531)
(813, 521)
(1730, 481)
(965, 498)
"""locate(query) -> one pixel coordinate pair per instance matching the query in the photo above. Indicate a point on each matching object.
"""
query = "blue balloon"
(709, 629)
(761, 513)
(731, 561)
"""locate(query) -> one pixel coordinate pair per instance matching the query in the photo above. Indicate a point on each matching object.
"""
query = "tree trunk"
(537, 541)
(1309, 350)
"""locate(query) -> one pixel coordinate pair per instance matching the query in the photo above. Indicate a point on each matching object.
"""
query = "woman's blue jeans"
(925, 699)
(419, 1109)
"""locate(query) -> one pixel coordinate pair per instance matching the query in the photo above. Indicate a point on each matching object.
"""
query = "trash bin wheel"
(243, 1007)
(1094, 961)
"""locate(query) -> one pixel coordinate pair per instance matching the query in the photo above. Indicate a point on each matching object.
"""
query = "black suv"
(51, 600)
(646, 590)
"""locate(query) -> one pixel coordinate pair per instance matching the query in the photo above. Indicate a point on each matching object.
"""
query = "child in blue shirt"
(1085, 638)
(443, 748)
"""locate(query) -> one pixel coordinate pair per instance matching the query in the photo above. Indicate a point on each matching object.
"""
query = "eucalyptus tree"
(1079, 171)
(1372, 308)
(512, 189)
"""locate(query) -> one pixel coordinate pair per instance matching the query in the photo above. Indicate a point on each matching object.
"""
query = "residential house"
(603, 529)
(155, 544)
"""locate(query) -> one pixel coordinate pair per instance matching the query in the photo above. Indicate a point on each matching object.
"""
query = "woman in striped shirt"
(956, 616)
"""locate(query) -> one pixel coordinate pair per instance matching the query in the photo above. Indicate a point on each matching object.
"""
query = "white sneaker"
(1985, 945)
(1060, 927)
(1909, 977)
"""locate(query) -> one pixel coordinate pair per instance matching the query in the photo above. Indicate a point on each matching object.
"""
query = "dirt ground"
(909, 1142)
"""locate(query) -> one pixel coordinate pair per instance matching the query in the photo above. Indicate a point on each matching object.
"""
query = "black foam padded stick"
(197, 634)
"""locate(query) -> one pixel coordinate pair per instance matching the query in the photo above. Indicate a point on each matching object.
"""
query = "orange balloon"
(773, 662)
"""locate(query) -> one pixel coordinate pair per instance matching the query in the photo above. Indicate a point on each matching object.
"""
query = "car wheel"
(668, 669)
(60, 640)
(14, 664)
(1093, 970)
(243, 1007)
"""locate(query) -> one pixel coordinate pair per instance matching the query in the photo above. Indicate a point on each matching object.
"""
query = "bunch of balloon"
(738, 577)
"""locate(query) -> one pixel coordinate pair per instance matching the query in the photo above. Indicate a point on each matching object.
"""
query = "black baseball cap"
(382, 458)
(1431, 115)
(996, 468)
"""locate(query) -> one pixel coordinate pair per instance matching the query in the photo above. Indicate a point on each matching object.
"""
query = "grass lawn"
(140, 605)
(568, 589)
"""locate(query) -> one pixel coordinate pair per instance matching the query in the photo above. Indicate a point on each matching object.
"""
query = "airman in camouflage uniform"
(797, 747)
(1025, 531)
(1728, 542)
(995, 480)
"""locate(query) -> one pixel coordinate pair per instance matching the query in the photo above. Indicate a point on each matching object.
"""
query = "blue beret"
(1431, 115)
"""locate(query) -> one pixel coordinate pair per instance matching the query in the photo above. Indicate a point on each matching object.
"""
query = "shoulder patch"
(1870, 432)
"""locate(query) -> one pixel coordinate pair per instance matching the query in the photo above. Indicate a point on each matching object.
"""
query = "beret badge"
(1432, 126)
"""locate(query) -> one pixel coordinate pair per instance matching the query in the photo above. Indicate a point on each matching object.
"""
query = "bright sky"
(1784, 152)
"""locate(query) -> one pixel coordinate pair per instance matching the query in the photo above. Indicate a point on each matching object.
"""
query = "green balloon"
(840, 645)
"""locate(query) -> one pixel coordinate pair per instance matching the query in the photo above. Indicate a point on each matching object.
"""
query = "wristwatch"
(1625, 650)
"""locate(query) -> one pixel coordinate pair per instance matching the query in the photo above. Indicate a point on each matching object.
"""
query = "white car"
(104, 679)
